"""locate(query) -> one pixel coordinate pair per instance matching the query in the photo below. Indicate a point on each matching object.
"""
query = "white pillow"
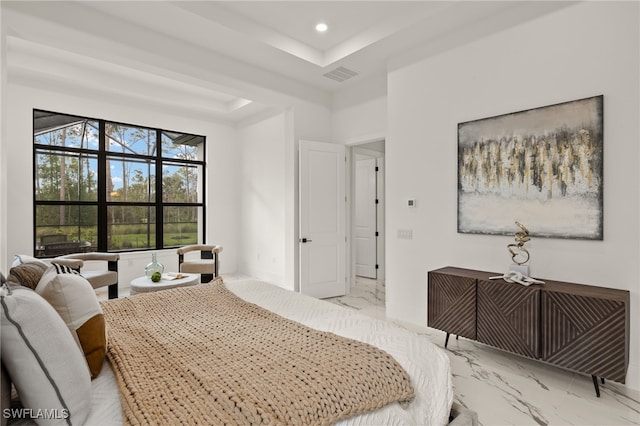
(72, 296)
(45, 365)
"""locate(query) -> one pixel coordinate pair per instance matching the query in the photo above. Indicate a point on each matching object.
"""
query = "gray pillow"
(42, 359)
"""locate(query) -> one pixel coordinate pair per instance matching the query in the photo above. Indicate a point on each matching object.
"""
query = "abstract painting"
(541, 167)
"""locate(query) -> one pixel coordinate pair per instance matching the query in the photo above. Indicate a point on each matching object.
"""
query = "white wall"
(222, 157)
(588, 49)
(262, 199)
(359, 114)
(268, 212)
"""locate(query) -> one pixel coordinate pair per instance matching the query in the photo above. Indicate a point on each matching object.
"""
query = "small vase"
(154, 266)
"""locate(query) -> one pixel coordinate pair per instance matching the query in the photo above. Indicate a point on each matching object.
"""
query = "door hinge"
(377, 169)
(377, 234)
(377, 201)
(377, 266)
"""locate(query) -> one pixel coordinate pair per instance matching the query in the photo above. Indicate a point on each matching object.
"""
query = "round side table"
(145, 285)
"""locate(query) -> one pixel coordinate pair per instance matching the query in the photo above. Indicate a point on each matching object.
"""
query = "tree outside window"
(101, 185)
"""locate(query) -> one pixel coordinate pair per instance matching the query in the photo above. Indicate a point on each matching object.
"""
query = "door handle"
(305, 240)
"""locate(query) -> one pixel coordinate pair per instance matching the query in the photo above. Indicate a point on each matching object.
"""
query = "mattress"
(427, 365)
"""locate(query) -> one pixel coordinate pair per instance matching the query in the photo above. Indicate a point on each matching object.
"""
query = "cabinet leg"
(602, 380)
(457, 336)
(446, 341)
(595, 385)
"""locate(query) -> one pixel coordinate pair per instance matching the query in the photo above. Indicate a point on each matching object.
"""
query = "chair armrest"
(107, 257)
(71, 263)
(200, 247)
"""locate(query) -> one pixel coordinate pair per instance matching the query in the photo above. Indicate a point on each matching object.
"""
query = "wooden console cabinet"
(579, 327)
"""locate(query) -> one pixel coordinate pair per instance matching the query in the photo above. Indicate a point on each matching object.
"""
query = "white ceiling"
(232, 59)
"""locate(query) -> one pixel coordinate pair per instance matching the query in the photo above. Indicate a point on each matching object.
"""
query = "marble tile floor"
(367, 296)
(506, 389)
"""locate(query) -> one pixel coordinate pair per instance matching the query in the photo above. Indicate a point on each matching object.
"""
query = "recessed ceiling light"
(321, 27)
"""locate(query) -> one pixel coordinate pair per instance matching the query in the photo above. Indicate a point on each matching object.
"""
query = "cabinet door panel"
(509, 317)
(586, 334)
(452, 304)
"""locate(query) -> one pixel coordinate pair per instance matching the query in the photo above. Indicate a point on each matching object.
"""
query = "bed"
(427, 366)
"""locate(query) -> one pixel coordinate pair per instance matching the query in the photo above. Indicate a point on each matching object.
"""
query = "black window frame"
(102, 203)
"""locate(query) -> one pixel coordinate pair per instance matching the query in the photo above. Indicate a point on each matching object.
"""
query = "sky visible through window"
(121, 139)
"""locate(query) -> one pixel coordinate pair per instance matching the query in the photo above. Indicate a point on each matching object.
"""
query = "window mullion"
(203, 198)
(159, 198)
(103, 223)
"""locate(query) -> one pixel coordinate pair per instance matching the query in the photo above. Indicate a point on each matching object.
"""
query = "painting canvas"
(541, 167)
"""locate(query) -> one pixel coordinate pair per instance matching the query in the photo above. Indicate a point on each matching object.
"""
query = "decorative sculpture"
(518, 273)
(517, 277)
(519, 254)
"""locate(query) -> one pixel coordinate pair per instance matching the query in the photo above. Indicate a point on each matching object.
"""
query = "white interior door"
(365, 216)
(322, 237)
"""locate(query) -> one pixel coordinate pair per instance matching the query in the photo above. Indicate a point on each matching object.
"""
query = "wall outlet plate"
(405, 234)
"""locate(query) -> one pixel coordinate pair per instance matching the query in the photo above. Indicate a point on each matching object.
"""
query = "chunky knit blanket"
(202, 355)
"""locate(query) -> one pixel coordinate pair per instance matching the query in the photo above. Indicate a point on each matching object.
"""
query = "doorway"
(367, 223)
(322, 219)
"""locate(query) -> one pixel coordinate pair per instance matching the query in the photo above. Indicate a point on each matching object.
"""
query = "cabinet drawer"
(509, 317)
(452, 304)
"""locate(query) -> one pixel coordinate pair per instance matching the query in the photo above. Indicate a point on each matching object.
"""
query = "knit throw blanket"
(202, 355)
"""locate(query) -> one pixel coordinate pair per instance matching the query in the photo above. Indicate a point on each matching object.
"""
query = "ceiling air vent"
(340, 74)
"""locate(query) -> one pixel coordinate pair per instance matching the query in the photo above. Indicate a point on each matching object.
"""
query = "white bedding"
(427, 364)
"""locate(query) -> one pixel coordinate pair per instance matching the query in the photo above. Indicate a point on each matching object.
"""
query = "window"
(106, 186)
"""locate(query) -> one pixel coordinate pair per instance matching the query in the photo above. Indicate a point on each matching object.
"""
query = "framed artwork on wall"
(541, 167)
